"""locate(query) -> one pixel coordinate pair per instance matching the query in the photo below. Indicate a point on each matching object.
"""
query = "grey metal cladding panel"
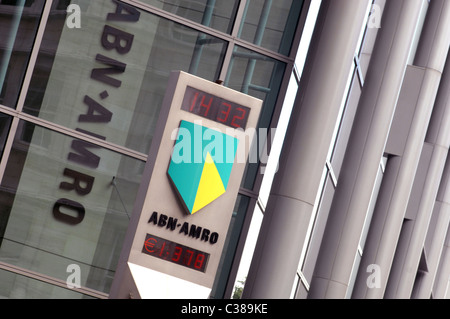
(404, 112)
(444, 188)
(432, 228)
(419, 182)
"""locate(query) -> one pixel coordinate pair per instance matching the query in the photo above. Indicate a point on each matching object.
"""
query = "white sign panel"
(191, 183)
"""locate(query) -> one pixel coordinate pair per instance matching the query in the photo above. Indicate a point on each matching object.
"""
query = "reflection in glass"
(109, 77)
(271, 24)
(5, 124)
(218, 15)
(259, 76)
(247, 253)
(64, 201)
(16, 286)
(18, 26)
(231, 242)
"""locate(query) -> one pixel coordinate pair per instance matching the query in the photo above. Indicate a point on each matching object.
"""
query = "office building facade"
(351, 202)
(359, 202)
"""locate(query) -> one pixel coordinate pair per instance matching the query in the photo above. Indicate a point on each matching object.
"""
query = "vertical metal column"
(392, 203)
(440, 133)
(438, 138)
(442, 284)
(423, 286)
(351, 201)
(305, 150)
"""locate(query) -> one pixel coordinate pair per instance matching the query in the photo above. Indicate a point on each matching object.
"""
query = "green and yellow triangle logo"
(198, 179)
(210, 187)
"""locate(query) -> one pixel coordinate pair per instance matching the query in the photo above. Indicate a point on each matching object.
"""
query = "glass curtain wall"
(78, 108)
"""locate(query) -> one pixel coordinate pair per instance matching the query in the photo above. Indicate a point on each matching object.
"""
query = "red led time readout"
(215, 108)
(175, 253)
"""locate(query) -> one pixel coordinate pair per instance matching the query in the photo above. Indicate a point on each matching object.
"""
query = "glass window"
(231, 242)
(18, 26)
(64, 201)
(16, 286)
(5, 124)
(271, 24)
(218, 15)
(247, 253)
(346, 125)
(261, 77)
(319, 228)
(355, 268)
(108, 78)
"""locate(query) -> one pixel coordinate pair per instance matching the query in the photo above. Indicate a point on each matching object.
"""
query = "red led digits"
(238, 119)
(215, 108)
(223, 115)
(150, 245)
(206, 106)
(175, 253)
(194, 102)
(199, 261)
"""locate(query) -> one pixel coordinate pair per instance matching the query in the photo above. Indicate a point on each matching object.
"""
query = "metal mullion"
(69, 132)
(227, 62)
(264, 51)
(228, 59)
(34, 54)
(8, 111)
(24, 89)
(176, 18)
(8, 147)
(50, 280)
(212, 32)
(82, 136)
(198, 50)
(257, 40)
(248, 193)
(243, 6)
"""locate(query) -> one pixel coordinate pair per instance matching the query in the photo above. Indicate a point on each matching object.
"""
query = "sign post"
(187, 195)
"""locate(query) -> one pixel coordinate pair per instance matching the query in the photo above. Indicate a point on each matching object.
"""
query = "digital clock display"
(215, 108)
(175, 253)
